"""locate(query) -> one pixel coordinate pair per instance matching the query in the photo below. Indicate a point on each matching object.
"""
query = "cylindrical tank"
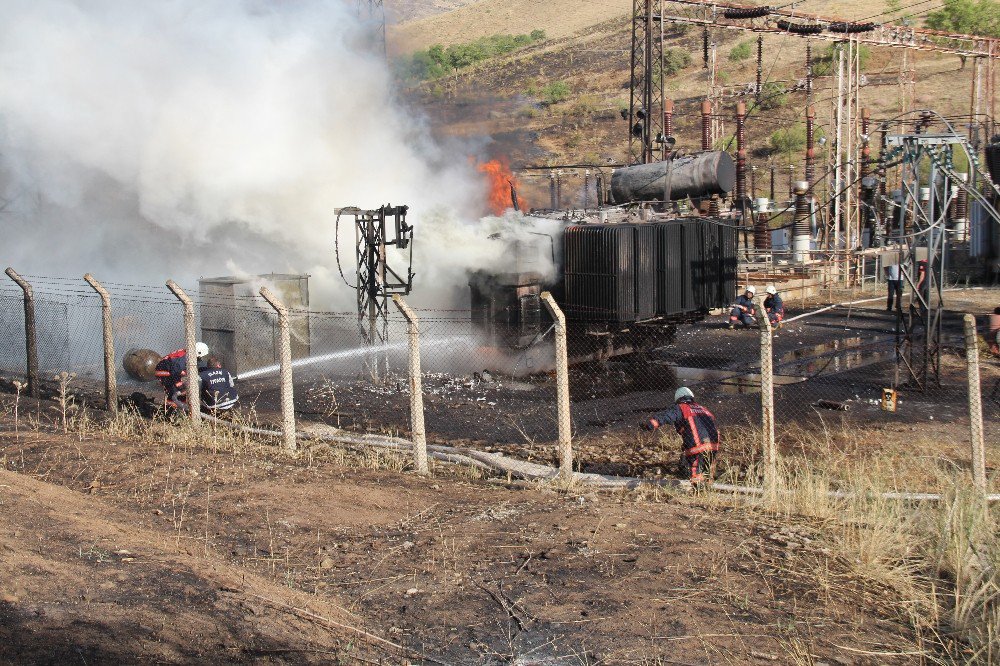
(140, 364)
(698, 175)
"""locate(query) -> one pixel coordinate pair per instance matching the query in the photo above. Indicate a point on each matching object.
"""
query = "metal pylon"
(645, 119)
(376, 280)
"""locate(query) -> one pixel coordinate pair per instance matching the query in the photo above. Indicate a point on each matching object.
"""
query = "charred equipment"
(624, 285)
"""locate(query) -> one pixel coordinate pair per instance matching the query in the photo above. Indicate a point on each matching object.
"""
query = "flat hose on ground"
(534, 471)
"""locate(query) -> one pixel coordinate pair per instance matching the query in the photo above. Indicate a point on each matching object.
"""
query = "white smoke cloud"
(187, 138)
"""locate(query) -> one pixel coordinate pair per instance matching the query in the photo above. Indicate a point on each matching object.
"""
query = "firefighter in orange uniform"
(699, 435)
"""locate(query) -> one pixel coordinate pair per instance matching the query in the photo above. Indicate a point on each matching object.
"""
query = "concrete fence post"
(190, 340)
(416, 388)
(767, 399)
(287, 389)
(975, 405)
(110, 378)
(30, 334)
(562, 389)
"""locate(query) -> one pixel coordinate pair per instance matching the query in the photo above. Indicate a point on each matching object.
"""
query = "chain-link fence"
(850, 386)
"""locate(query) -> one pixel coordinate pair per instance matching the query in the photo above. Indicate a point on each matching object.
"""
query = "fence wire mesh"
(831, 371)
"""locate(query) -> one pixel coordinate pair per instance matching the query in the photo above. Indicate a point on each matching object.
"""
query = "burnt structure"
(694, 176)
(624, 285)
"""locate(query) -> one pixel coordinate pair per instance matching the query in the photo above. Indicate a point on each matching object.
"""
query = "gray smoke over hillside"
(187, 138)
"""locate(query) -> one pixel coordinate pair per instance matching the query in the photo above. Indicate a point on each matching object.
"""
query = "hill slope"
(588, 49)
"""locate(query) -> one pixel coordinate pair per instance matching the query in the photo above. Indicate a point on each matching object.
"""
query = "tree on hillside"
(973, 17)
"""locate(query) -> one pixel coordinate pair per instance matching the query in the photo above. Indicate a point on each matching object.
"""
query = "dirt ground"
(117, 550)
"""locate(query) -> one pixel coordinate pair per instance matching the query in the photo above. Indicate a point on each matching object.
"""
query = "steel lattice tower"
(645, 119)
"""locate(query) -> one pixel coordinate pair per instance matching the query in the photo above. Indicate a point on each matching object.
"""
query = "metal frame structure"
(645, 119)
(844, 231)
(921, 231)
(714, 15)
(376, 281)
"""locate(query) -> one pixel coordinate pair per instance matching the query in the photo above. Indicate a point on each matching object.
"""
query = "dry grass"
(935, 562)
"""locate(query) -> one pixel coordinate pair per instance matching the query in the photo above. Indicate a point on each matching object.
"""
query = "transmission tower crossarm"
(890, 35)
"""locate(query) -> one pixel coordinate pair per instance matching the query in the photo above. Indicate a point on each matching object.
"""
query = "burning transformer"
(624, 283)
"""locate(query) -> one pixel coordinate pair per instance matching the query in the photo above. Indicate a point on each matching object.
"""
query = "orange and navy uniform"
(699, 435)
(172, 371)
(775, 308)
(743, 311)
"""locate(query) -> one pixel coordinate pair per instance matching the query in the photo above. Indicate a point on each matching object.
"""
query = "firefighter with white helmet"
(172, 373)
(744, 310)
(774, 306)
(699, 435)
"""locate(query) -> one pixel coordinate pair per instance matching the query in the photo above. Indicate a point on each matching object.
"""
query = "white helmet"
(201, 350)
(752, 289)
(683, 392)
(771, 290)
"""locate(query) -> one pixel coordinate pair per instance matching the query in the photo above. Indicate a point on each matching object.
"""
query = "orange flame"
(501, 181)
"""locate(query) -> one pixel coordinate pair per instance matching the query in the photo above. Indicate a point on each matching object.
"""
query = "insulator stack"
(704, 46)
(706, 144)
(761, 233)
(801, 226)
(668, 118)
(552, 191)
(962, 201)
(961, 223)
(741, 155)
(760, 67)
(810, 146)
(867, 193)
(809, 77)
(883, 186)
(866, 151)
(706, 125)
(558, 190)
(586, 189)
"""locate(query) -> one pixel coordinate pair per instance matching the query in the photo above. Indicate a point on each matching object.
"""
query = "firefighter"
(894, 286)
(218, 387)
(699, 435)
(744, 310)
(774, 306)
(172, 373)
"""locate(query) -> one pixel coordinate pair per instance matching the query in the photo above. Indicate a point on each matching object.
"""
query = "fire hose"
(535, 472)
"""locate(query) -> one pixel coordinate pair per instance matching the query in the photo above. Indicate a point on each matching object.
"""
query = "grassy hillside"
(559, 18)
(588, 50)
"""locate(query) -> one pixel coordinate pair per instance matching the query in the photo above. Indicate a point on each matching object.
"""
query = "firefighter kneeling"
(774, 306)
(744, 310)
(172, 373)
(218, 388)
(699, 435)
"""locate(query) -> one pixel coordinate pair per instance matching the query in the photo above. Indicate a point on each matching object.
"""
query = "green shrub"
(585, 105)
(976, 17)
(555, 92)
(741, 51)
(788, 140)
(773, 96)
(674, 60)
(438, 61)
